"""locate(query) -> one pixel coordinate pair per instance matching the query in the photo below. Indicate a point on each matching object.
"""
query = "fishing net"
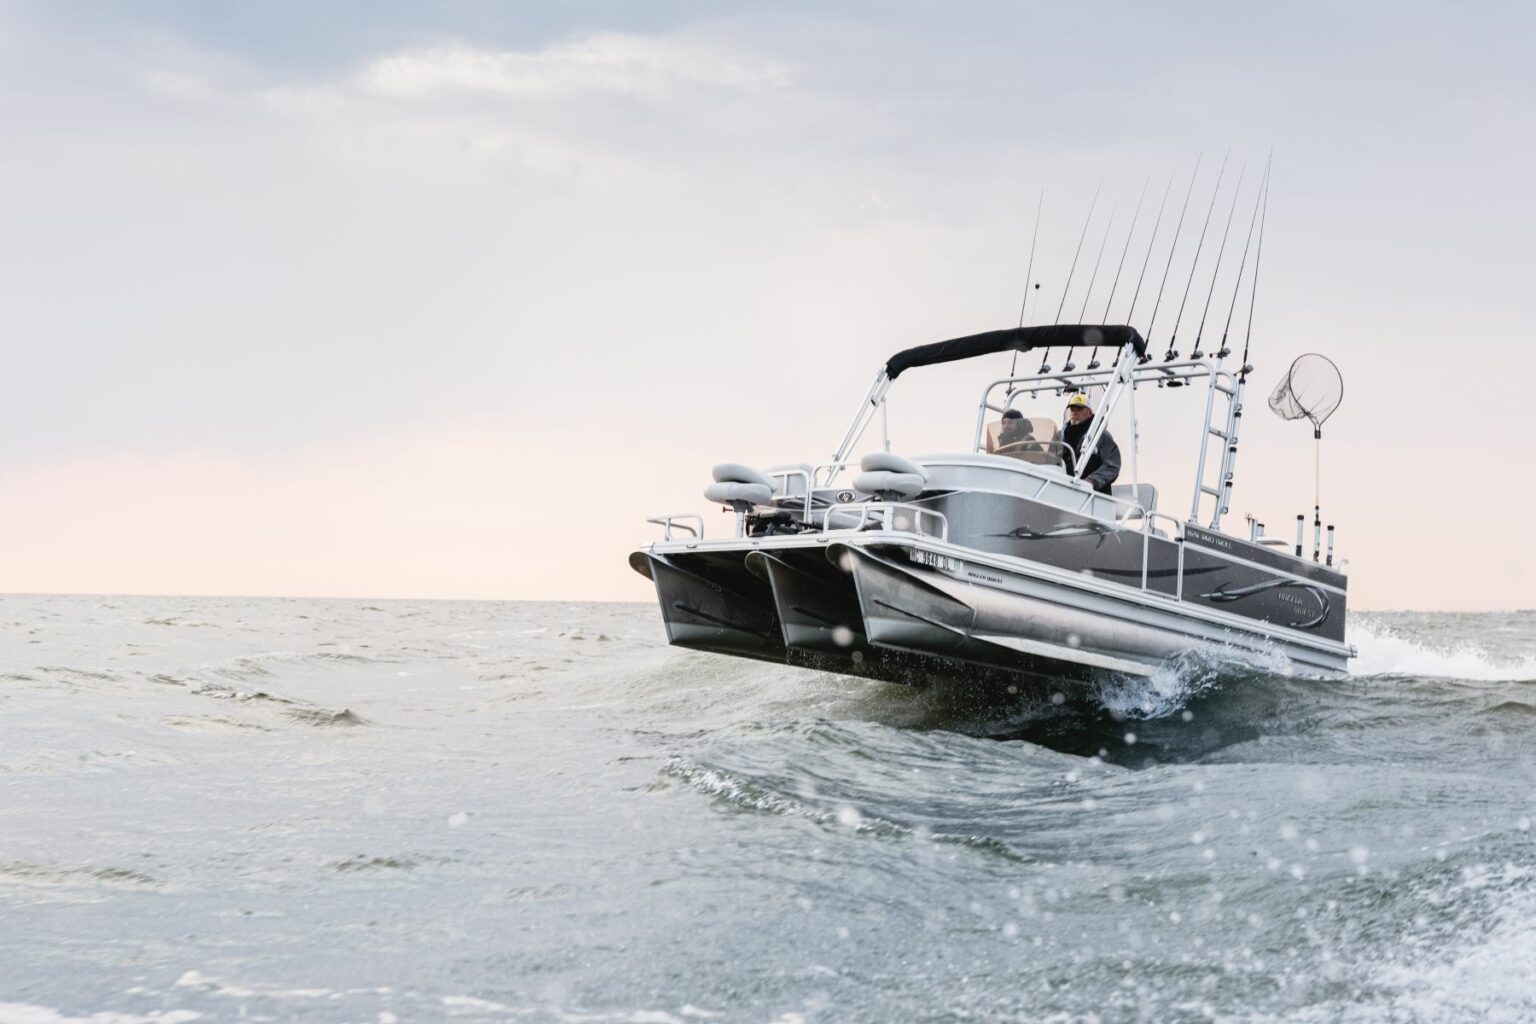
(1312, 388)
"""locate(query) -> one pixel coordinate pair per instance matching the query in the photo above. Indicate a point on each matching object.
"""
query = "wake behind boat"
(1003, 561)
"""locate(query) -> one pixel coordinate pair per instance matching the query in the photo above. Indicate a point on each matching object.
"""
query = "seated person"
(1020, 437)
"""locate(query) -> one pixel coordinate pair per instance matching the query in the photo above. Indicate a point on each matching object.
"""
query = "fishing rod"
(1200, 331)
(1093, 360)
(1242, 265)
(1044, 366)
(1178, 229)
(1029, 272)
(1253, 291)
(1148, 258)
(1070, 366)
(1173, 338)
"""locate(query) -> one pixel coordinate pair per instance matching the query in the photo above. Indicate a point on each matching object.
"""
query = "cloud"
(654, 66)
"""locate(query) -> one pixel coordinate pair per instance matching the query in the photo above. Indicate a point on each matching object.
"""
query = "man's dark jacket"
(1103, 466)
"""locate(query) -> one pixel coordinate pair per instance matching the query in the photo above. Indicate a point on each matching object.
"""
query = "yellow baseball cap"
(1078, 399)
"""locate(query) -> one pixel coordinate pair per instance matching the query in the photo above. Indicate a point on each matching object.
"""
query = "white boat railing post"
(1135, 443)
(1178, 591)
(1146, 546)
(867, 408)
(1107, 404)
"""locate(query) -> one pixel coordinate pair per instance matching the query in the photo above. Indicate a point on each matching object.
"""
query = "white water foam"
(1493, 980)
(1383, 651)
(1490, 979)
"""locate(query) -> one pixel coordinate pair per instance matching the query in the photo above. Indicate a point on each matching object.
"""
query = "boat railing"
(672, 522)
(782, 477)
(834, 468)
(1148, 530)
(886, 520)
(816, 476)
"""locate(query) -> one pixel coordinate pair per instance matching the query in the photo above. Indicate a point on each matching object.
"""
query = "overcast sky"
(389, 299)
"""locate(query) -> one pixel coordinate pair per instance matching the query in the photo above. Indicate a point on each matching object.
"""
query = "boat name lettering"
(1211, 539)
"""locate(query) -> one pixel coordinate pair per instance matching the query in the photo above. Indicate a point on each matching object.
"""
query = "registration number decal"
(934, 560)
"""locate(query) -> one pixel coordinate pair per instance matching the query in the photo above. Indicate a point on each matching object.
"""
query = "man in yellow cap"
(1103, 465)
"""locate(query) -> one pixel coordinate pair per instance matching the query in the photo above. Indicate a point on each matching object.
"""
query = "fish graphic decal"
(1098, 530)
(1226, 592)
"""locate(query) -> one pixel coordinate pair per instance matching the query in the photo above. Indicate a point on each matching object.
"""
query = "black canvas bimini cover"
(1020, 339)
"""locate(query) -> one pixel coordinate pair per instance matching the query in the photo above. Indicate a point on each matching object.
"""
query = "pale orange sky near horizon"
(442, 309)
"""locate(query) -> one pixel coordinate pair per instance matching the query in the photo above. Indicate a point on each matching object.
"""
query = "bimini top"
(1020, 339)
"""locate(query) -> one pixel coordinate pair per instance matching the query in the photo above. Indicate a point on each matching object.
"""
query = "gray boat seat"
(1144, 495)
(741, 487)
(740, 496)
(890, 477)
(736, 473)
(888, 463)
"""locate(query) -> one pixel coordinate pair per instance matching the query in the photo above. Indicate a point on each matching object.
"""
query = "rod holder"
(1317, 533)
(1301, 531)
(1330, 543)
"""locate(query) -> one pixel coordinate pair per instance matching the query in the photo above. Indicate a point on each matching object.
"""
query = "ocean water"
(297, 810)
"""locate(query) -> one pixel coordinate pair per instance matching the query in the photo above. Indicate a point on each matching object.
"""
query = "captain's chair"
(1036, 439)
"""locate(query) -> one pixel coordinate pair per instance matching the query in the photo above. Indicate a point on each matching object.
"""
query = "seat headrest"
(888, 463)
(736, 473)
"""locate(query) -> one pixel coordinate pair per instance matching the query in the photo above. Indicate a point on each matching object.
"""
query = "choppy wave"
(1385, 650)
(543, 812)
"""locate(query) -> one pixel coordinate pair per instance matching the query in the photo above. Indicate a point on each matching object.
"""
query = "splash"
(1179, 680)
(1384, 651)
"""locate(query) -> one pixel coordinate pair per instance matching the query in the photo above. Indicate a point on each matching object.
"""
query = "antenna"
(1200, 331)
(1093, 360)
(1195, 263)
(1028, 274)
(1178, 228)
(1069, 367)
(1044, 367)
